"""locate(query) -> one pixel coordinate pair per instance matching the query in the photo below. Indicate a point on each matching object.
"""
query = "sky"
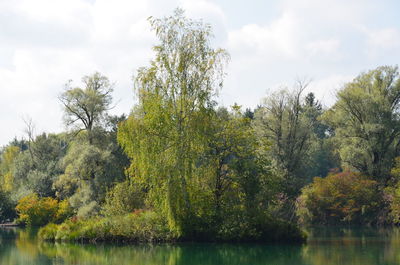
(45, 43)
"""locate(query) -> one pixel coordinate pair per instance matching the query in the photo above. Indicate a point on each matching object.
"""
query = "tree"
(239, 175)
(322, 153)
(282, 123)
(366, 122)
(88, 172)
(95, 161)
(36, 168)
(164, 134)
(8, 156)
(313, 110)
(87, 105)
(7, 211)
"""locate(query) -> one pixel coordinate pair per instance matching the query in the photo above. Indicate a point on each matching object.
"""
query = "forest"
(180, 167)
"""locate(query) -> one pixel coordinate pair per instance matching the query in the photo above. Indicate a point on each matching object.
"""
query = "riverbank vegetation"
(181, 167)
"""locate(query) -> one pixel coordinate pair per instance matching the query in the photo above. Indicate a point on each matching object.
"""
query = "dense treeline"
(180, 167)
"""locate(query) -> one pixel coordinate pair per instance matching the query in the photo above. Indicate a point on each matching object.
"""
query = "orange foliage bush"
(345, 197)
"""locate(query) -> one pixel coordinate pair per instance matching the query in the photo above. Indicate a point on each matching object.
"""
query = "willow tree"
(165, 133)
(367, 122)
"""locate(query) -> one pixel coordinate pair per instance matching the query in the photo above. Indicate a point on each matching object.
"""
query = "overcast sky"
(44, 43)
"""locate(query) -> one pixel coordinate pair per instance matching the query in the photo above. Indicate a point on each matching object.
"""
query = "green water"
(336, 246)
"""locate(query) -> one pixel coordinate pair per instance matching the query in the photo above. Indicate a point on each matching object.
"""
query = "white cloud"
(386, 38)
(113, 20)
(325, 88)
(210, 13)
(278, 39)
(327, 47)
(67, 12)
(317, 13)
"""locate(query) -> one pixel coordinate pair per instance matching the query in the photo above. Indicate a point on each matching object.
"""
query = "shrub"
(48, 232)
(345, 197)
(123, 198)
(141, 226)
(35, 211)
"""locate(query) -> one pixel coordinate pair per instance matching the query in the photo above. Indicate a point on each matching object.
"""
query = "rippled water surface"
(326, 246)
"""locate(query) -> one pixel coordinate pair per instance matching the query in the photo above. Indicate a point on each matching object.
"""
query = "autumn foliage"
(35, 211)
(345, 197)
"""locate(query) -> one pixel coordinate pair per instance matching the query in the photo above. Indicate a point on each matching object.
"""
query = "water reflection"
(359, 246)
(326, 246)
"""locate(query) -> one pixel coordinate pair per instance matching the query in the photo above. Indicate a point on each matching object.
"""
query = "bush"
(140, 226)
(35, 211)
(48, 232)
(123, 198)
(345, 197)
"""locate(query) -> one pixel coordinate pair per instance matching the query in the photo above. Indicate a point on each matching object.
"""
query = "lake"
(326, 246)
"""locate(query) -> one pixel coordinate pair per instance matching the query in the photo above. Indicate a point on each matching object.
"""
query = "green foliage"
(84, 200)
(40, 182)
(148, 226)
(392, 194)
(88, 105)
(22, 166)
(395, 171)
(346, 197)
(140, 226)
(63, 212)
(366, 122)
(45, 150)
(7, 212)
(321, 154)
(201, 169)
(89, 171)
(48, 232)
(166, 133)
(257, 227)
(36, 168)
(8, 157)
(123, 198)
(239, 174)
(35, 211)
(282, 123)
(297, 143)
(392, 197)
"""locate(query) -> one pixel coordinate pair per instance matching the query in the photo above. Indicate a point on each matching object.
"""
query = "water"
(326, 246)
